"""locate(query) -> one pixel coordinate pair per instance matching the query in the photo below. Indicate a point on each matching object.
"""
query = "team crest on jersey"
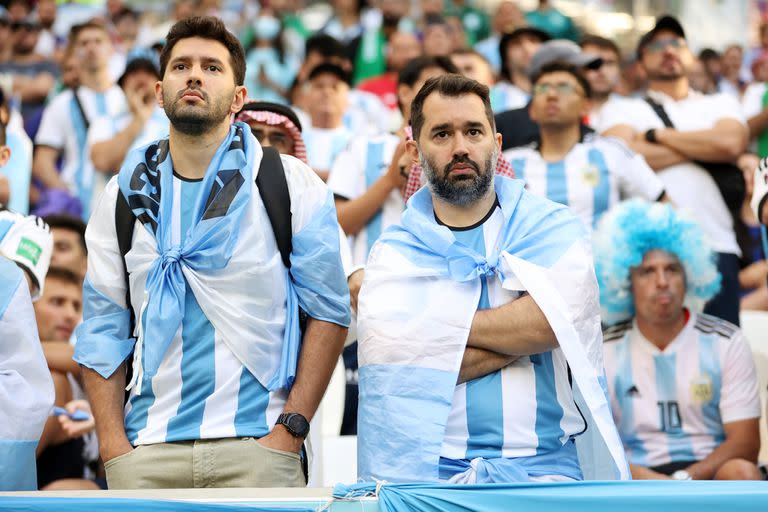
(701, 388)
(591, 175)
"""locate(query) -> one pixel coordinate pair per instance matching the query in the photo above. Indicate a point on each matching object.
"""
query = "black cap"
(666, 22)
(139, 64)
(276, 108)
(520, 32)
(333, 69)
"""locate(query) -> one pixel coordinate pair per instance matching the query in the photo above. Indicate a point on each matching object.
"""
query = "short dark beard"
(463, 191)
(195, 122)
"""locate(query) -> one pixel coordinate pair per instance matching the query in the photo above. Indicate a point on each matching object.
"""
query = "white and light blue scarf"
(202, 257)
(416, 307)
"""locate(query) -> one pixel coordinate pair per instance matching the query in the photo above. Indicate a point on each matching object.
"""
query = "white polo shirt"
(689, 185)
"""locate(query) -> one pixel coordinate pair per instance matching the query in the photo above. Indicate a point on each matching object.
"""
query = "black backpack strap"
(80, 109)
(125, 221)
(659, 110)
(273, 190)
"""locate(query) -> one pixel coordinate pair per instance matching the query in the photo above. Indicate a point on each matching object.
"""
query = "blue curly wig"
(633, 228)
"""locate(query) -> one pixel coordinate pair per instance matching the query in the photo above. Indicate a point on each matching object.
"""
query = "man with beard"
(477, 313)
(705, 130)
(223, 384)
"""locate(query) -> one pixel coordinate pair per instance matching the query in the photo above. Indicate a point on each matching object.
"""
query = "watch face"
(297, 424)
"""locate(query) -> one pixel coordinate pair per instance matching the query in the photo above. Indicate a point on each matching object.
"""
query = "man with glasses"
(586, 172)
(31, 75)
(702, 131)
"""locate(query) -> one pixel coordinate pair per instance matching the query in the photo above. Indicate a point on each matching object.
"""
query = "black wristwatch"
(295, 423)
(650, 135)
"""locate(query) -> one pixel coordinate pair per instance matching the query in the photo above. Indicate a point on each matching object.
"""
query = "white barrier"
(754, 324)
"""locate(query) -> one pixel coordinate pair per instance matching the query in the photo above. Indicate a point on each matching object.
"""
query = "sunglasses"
(29, 27)
(561, 88)
(661, 44)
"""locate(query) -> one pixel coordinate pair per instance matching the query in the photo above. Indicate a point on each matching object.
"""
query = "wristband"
(650, 136)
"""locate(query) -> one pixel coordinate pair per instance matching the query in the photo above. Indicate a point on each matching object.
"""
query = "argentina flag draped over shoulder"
(416, 307)
(26, 387)
(200, 259)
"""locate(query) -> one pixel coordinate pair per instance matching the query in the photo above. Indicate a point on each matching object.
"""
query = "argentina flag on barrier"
(26, 387)
(416, 307)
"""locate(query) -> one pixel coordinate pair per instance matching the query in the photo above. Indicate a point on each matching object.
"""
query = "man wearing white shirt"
(603, 79)
(706, 129)
(64, 127)
(588, 173)
(329, 99)
(110, 138)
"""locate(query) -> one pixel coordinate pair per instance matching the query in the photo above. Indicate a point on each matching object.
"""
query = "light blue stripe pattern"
(373, 171)
(83, 190)
(198, 364)
(518, 165)
(557, 184)
(709, 365)
(484, 396)
(137, 417)
(602, 190)
(549, 412)
(623, 382)
(18, 170)
(5, 226)
(18, 472)
(103, 339)
(680, 448)
(416, 396)
(252, 402)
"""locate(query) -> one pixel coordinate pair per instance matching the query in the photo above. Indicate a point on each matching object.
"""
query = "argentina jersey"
(63, 127)
(324, 145)
(355, 170)
(201, 390)
(670, 405)
(522, 410)
(597, 173)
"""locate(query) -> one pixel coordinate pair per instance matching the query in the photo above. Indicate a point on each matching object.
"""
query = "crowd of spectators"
(582, 122)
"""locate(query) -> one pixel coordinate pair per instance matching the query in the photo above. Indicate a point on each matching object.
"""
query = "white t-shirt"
(104, 128)
(671, 405)
(324, 145)
(689, 185)
(356, 169)
(615, 103)
(595, 175)
(62, 128)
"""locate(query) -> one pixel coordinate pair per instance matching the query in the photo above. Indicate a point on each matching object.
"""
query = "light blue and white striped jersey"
(201, 390)
(670, 405)
(524, 409)
(597, 173)
(62, 127)
(324, 145)
(355, 170)
(506, 96)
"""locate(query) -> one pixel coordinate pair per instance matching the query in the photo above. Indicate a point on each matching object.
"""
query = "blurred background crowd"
(77, 92)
